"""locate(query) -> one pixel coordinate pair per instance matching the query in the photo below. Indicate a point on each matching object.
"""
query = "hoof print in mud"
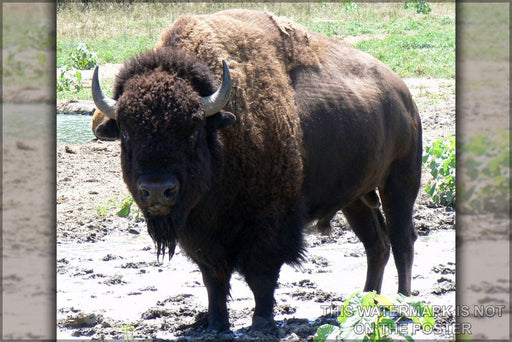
(284, 309)
(156, 313)
(318, 296)
(305, 283)
(444, 285)
(444, 269)
(115, 280)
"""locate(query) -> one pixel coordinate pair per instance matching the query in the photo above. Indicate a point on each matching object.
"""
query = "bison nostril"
(171, 191)
(145, 194)
(168, 193)
(157, 189)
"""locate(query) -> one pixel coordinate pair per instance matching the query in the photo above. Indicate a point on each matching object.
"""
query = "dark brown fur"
(319, 127)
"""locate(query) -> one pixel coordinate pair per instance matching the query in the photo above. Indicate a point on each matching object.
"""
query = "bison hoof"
(323, 229)
(261, 324)
(218, 327)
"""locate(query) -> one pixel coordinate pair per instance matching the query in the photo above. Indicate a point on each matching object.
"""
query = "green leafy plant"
(350, 6)
(368, 316)
(485, 161)
(41, 37)
(82, 58)
(103, 210)
(12, 66)
(15, 64)
(125, 208)
(69, 78)
(128, 332)
(421, 6)
(439, 158)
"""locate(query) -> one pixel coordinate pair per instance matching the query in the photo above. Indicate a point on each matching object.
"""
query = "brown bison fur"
(312, 126)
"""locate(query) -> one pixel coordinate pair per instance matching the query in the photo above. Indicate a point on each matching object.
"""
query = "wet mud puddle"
(114, 283)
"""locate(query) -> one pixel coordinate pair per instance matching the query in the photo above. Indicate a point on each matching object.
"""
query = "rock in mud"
(156, 313)
(82, 320)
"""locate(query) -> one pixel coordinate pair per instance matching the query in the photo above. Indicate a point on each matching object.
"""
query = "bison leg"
(323, 226)
(218, 290)
(276, 242)
(398, 196)
(262, 285)
(369, 226)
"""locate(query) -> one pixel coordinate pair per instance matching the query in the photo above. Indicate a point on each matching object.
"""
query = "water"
(30, 121)
(36, 121)
(74, 129)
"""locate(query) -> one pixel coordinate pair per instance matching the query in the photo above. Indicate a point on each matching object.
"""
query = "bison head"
(170, 147)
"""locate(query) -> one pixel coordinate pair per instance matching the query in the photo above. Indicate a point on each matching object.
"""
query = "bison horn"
(216, 101)
(104, 103)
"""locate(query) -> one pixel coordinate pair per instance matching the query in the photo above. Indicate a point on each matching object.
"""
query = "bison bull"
(301, 126)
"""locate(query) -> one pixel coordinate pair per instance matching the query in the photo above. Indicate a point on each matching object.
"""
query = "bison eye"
(193, 137)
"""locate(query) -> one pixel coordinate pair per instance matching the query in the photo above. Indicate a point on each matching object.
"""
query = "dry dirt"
(110, 284)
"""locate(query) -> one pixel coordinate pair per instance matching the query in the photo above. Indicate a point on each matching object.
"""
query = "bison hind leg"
(323, 225)
(370, 227)
(371, 199)
(398, 196)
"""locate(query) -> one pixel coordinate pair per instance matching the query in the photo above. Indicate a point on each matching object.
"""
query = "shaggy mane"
(171, 60)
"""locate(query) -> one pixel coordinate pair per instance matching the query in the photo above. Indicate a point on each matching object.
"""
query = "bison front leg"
(262, 285)
(218, 290)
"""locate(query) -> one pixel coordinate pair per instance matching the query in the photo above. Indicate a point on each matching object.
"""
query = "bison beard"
(162, 231)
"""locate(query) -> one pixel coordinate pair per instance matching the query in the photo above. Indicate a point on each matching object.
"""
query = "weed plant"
(439, 159)
(368, 316)
(485, 161)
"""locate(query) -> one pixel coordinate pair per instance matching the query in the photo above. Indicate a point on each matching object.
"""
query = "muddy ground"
(111, 285)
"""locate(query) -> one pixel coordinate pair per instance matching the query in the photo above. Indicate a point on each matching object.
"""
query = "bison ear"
(220, 120)
(107, 130)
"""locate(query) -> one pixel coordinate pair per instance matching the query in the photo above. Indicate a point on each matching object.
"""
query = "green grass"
(27, 28)
(387, 25)
(109, 51)
(414, 45)
(485, 30)
(27, 39)
(424, 54)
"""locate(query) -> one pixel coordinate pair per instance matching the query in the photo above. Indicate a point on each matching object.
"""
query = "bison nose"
(158, 190)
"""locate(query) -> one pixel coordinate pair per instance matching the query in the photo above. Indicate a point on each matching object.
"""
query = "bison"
(301, 126)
